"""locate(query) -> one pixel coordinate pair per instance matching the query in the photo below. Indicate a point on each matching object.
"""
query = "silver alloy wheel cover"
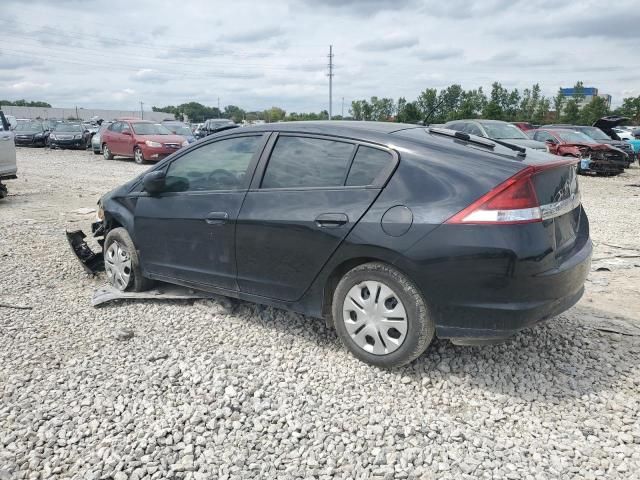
(106, 152)
(117, 263)
(137, 155)
(376, 322)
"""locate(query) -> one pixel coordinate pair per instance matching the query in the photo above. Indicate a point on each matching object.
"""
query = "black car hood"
(606, 124)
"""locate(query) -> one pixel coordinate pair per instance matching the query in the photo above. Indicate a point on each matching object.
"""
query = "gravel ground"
(193, 390)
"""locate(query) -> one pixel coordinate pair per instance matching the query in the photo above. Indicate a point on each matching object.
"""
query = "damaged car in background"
(602, 132)
(595, 157)
(393, 233)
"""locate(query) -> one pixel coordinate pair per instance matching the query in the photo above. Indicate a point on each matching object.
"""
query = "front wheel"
(138, 156)
(381, 316)
(121, 262)
(106, 153)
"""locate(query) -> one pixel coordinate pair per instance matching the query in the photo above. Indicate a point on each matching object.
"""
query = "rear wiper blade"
(462, 136)
(522, 152)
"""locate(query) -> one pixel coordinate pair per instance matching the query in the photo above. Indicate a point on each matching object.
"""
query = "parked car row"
(142, 140)
(598, 148)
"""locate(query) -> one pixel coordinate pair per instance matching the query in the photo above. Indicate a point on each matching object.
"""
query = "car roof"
(335, 127)
(555, 130)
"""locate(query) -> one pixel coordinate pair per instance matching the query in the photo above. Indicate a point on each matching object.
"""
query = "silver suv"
(8, 167)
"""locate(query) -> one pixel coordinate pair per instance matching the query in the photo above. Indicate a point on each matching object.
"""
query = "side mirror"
(550, 142)
(154, 182)
(126, 132)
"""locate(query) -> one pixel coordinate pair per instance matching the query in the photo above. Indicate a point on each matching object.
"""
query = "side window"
(221, 165)
(124, 127)
(307, 162)
(473, 129)
(367, 165)
(115, 127)
(543, 137)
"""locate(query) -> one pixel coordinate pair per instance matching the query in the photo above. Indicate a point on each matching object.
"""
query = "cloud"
(439, 54)
(249, 36)
(361, 7)
(11, 62)
(29, 86)
(149, 75)
(389, 42)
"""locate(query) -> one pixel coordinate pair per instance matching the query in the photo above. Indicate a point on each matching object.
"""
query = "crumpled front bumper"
(91, 261)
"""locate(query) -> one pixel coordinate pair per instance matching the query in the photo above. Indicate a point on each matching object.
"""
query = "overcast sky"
(258, 54)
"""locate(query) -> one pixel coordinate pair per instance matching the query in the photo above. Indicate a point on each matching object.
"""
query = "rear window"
(307, 162)
(367, 165)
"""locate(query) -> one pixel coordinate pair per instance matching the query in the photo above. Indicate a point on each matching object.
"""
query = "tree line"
(24, 103)
(455, 103)
(440, 106)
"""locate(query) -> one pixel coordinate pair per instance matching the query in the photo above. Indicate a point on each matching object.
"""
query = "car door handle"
(8, 137)
(331, 220)
(216, 218)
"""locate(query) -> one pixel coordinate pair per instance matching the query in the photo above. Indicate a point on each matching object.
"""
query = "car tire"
(364, 335)
(138, 156)
(122, 263)
(106, 153)
(96, 152)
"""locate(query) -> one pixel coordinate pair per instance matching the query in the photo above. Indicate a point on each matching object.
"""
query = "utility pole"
(141, 111)
(218, 107)
(342, 114)
(330, 75)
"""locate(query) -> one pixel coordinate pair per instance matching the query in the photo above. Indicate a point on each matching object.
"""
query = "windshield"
(150, 129)
(575, 137)
(67, 127)
(180, 130)
(504, 131)
(595, 133)
(29, 127)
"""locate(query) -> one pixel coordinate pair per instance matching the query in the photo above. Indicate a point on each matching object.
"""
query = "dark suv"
(393, 233)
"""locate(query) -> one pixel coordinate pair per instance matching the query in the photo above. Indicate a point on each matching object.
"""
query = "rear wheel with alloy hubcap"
(381, 316)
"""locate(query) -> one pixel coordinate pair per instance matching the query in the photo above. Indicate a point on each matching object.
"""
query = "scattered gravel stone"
(123, 334)
(208, 392)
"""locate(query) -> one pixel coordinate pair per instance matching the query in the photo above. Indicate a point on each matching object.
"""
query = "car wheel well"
(333, 279)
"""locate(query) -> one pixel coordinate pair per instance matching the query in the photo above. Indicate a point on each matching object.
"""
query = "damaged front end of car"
(91, 261)
(601, 160)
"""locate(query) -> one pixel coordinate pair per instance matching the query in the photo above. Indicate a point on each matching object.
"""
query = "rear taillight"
(513, 201)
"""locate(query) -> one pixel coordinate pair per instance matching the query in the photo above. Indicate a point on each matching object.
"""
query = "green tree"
(592, 111)
(497, 99)
(630, 108)
(427, 102)
(542, 111)
(571, 112)
(558, 103)
(234, 113)
(25, 103)
(274, 114)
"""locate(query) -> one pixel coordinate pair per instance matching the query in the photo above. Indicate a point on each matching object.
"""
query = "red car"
(141, 140)
(524, 126)
(594, 157)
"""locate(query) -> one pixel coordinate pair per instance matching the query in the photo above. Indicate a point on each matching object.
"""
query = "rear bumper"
(486, 283)
(551, 293)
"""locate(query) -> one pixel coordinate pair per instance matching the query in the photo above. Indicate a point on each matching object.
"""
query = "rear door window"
(300, 162)
(369, 166)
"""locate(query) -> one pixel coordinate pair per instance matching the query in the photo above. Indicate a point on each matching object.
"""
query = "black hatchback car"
(393, 233)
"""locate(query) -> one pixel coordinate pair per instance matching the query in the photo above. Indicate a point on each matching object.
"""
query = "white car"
(8, 167)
